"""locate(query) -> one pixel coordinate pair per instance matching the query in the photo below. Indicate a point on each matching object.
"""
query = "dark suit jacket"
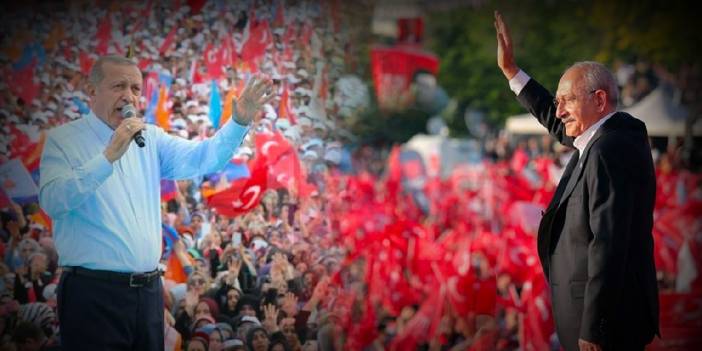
(595, 242)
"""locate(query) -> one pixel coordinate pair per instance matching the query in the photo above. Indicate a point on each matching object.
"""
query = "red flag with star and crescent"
(244, 194)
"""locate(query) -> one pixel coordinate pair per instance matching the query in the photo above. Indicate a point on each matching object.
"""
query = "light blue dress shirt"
(108, 216)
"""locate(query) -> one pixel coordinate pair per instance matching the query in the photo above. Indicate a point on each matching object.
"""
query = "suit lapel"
(546, 236)
(575, 176)
(565, 179)
(578, 171)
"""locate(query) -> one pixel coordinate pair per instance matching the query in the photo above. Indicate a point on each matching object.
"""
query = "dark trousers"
(96, 314)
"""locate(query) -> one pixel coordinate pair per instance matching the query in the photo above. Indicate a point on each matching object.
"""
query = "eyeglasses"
(569, 99)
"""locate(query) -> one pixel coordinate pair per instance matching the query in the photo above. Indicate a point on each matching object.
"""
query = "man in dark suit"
(595, 242)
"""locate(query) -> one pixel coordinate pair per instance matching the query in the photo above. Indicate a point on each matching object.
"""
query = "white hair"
(596, 76)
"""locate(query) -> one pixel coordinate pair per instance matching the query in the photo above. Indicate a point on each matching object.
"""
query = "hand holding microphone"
(129, 111)
(130, 129)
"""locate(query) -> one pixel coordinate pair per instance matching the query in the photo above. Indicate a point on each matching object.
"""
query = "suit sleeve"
(539, 102)
(612, 186)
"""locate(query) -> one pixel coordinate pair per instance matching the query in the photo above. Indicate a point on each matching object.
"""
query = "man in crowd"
(595, 241)
(103, 196)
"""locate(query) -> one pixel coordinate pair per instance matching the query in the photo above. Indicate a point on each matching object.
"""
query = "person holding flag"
(103, 195)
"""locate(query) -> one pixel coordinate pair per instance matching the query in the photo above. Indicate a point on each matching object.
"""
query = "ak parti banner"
(393, 70)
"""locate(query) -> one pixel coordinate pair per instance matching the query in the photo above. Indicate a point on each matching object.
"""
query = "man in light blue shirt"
(103, 195)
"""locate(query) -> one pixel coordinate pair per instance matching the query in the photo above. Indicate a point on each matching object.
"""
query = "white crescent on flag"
(452, 289)
(463, 263)
(267, 145)
(264, 37)
(283, 178)
(255, 190)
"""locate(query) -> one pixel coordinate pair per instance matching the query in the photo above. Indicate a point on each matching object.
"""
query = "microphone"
(129, 111)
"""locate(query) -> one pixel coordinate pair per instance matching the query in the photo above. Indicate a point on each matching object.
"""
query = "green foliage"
(377, 127)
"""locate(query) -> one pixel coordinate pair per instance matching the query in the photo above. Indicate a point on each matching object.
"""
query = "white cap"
(302, 73)
(49, 291)
(310, 155)
(292, 78)
(244, 150)
(334, 145)
(251, 319)
(179, 123)
(269, 111)
(301, 91)
(282, 123)
(319, 125)
(312, 143)
(293, 134)
(332, 155)
(304, 121)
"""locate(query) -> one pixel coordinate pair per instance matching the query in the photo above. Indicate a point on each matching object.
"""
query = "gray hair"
(596, 76)
(96, 72)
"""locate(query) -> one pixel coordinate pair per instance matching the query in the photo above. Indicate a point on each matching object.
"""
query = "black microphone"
(129, 111)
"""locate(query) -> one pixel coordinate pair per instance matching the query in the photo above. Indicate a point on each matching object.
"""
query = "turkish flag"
(86, 63)
(244, 194)
(168, 41)
(537, 321)
(284, 107)
(4, 199)
(423, 326)
(256, 38)
(285, 173)
(24, 85)
(213, 61)
(103, 35)
(285, 169)
(272, 146)
(279, 20)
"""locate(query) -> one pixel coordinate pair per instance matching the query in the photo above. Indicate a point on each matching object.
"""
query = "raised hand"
(270, 321)
(258, 91)
(289, 304)
(321, 289)
(234, 267)
(505, 55)
(191, 299)
(588, 346)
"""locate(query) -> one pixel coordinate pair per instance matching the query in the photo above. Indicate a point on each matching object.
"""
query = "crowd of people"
(383, 257)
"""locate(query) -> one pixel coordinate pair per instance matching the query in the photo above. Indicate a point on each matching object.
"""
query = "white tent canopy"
(663, 117)
(524, 124)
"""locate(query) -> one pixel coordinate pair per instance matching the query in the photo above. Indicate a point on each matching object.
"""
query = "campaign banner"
(394, 68)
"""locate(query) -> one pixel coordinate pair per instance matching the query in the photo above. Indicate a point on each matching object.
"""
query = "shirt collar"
(101, 129)
(582, 140)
